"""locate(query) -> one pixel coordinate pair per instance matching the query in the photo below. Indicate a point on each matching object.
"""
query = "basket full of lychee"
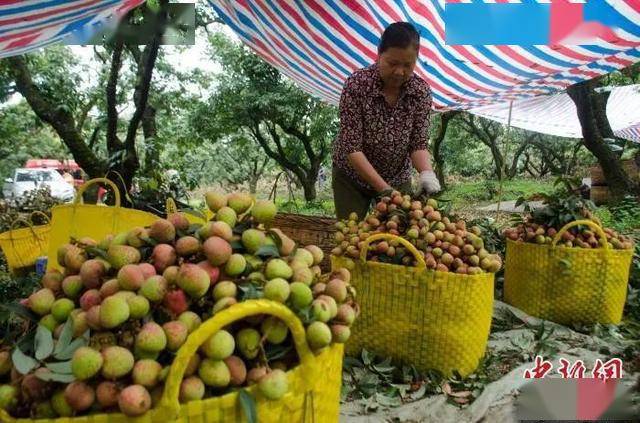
(228, 309)
(443, 243)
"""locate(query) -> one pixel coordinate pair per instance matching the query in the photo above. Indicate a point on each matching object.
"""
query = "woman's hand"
(429, 182)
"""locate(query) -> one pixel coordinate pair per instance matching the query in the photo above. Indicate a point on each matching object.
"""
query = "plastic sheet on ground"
(498, 399)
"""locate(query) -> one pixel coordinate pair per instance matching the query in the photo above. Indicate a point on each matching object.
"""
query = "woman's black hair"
(399, 35)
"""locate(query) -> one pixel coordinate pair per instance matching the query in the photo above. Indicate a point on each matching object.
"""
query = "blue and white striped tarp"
(318, 43)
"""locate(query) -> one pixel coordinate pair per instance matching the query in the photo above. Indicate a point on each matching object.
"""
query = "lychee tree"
(292, 128)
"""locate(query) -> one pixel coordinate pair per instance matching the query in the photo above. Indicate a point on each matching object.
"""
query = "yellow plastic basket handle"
(585, 222)
(83, 188)
(39, 213)
(170, 401)
(171, 206)
(389, 237)
(24, 222)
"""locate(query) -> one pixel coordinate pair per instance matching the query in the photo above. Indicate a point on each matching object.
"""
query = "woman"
(384, 126)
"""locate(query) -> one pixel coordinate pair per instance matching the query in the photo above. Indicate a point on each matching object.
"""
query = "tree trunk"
(309, 189)
(591, 116)
(438, 160)
(253, 184)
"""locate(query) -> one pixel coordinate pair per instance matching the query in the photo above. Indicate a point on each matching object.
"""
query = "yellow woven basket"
(432, 320)
(23, 246)
(568, 285)
(77, 220)
(314, 385)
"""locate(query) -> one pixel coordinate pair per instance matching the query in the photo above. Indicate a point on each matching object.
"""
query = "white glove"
(429, 182)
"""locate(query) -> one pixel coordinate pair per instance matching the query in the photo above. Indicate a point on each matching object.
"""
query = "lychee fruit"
(320, 311)
(89, 299)
(223, 303)
(277, 290)
(227, 215)
(274, 384)
(176, 301)
(239, 202)
(236, 265)
(278, 268)
(219, 229)
(346, 314)
(134, 400)
(253, 239)
(193, 280)
(224, 289)
(305, 256)
(85, 363)
(212, 271)
(147, 269)
(316, 252)
(5, 363)
(74, 258)
(318, 335)
(72, 286)
(219, 346)
(91, 273)
(61, 308)
(93, 318)
(163, 256)
(179, 221)
(176, 333)
(154, 289)
(138, 307)
(264, 211)
(304, 275)
(109, 288)
(34, 388)
(8, 397)
(214, 373)
(340, 333)
(191, 389)
(192, 366)
(130, 277)
(215, 200)
(136, 237)
(151, 338)
(60, 404)
(114, 311)
(121, 255)
(52, 280)
(107, 394)
(237, 370)
(248, 342)
(274, 329)
(333, 306)
(191, 320)
(117, 362)
(336, 289)
(40, 302)
(146, 373)
(187, 246)
(162, 231)
(301, 295)
(79, 396)
(255, 374)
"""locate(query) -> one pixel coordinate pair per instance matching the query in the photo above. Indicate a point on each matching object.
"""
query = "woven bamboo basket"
(306, 230)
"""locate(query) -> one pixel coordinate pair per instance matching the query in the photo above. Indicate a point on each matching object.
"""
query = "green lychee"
(274, 329)
(193, 280)
(253, 239)
(248, 342)
(191, 320)
(236, 265)
(138, 307)
(264, 211)
(40, 302)
(239, 202)
(223, 303)
(340, 333)
(224, 289)
(151, 338)
(318, 335)
(114, 311)
(60, 405)
(117, 362)
(227, 215)
(49, 322)
(176, 333)
(146, 373)
(274, 384)
(121, 255)
(277, 290)
(301, 295)
(214, 373)
(72, 286)
(86, 363)
(215, 200)
(154, 288)
(304, 255)
(8, 397)
(278, 268)
(320, 311)
(191, 389)
(219, 345)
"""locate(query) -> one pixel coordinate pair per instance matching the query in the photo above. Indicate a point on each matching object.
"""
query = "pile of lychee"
(579, 236)
(445, 244)
(141, 293)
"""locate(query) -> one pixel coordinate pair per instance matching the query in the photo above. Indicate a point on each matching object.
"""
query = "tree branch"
(113, 143)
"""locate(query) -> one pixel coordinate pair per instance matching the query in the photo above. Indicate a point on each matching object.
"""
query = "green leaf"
(248, 404)
(23, 363)
(56, 377)
(267, 251)
(236, 246)
(65, 338)
(21, 311)
(44, 342)
(60, 367)
(97, 252)
(67, 353)
(276, 352)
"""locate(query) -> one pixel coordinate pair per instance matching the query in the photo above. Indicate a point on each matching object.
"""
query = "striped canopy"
(26, 25)
(556, 114)
(318, 43)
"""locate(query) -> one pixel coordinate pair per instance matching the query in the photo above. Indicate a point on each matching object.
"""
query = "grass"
(465, 193)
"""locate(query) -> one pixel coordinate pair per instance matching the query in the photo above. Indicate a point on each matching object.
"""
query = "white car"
(28, 179)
